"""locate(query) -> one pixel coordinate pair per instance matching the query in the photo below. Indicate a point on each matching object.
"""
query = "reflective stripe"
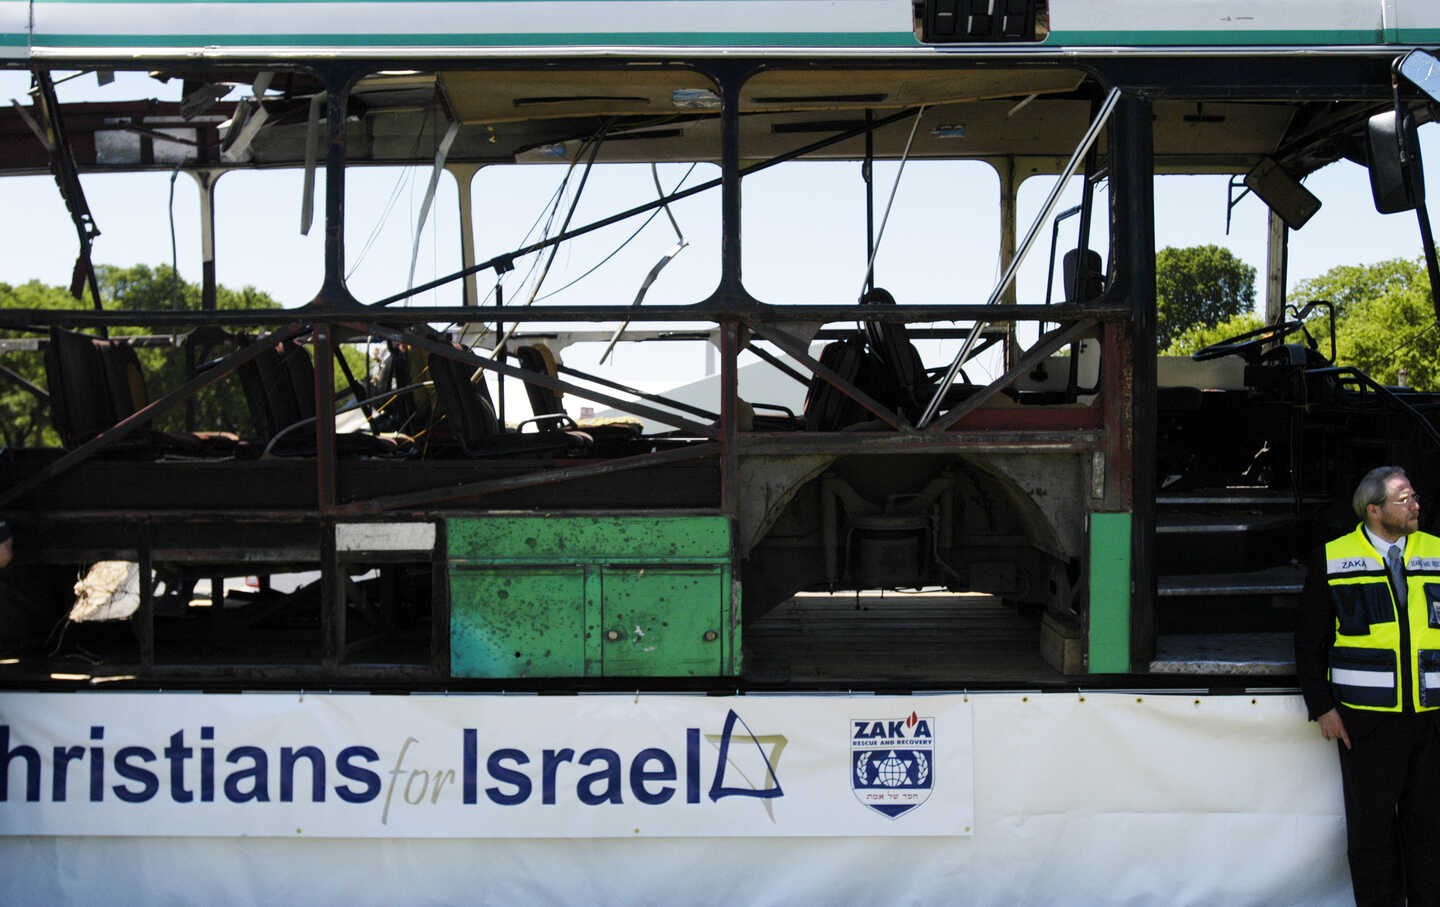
(1431, 679)
(1352, 678)
(1430, 564)
(1339, 566)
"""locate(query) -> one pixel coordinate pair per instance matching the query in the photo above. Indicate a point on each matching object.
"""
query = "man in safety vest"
(1367, 651)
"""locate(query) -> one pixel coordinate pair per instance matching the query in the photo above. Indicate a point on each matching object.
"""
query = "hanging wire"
(400, 182)
(549, 204)
(174, 251)
(574, 204)
(885, 218)
(653, 214)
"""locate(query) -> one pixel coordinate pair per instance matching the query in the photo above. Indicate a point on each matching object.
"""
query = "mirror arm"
(1431, 266)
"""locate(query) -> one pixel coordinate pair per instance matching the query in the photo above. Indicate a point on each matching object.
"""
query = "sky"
(803, 229)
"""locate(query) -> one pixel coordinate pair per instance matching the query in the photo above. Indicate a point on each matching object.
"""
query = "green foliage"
(1197, 338)
(25, 418)
(1199, 286)
(1392, 331)
(1346, 285)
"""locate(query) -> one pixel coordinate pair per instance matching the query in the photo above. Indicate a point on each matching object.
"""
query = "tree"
(1199, 286)
(1387, 323)
(25, 417)
(1200, 336)
(1346, 285)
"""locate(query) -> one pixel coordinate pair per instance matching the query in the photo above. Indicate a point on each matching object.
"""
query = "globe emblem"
(891, 772)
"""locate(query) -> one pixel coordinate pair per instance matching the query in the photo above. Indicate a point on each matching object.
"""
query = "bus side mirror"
(1398, 184)
(1421, 68)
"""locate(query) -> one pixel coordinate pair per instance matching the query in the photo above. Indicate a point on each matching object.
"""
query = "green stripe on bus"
(1109, 636)
(665, 39)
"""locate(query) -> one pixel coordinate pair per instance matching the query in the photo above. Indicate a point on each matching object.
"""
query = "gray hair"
(1371, 489)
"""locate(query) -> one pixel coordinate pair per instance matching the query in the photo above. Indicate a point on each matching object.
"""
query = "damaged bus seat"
(464, 402)
(546, 406)
(279, 387)
(96, 382)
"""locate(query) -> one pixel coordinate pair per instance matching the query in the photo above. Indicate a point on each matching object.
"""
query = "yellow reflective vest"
(1375, 654)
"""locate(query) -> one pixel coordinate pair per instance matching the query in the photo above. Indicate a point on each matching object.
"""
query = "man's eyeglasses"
(1405, 500)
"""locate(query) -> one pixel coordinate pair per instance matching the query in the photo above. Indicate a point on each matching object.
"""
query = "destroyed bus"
(459, 482)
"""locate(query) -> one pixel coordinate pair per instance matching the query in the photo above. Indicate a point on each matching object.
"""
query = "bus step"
(1225, 653)
(1221, 523)
(1286, 580)
(1225, 497)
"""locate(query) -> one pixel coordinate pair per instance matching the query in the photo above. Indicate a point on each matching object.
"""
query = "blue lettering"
(32, 766)
(860, 731)
(469, 756)
(923, 729)
(177, 752)
(149, 783)
(207, 766)
(550, 761)
(610, 774)
(639, 776)
(346, 768)
(62, 757)
(494, 765)
(288, 758)
(877, 730)
(256, 774)
(692, 765)
(897, 729)
(97, 765)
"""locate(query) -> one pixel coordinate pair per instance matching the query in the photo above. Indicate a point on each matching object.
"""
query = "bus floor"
(875, 640)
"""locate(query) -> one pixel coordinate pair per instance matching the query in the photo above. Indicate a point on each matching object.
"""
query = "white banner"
(476, 766)
(1080, 798)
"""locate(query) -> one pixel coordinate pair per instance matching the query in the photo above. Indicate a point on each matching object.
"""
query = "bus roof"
(96, 30)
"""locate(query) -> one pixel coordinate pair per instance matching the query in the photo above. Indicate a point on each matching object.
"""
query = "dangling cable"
(884, 218)
(680, 243)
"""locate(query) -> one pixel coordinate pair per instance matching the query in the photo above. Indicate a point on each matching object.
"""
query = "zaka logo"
(892, 762)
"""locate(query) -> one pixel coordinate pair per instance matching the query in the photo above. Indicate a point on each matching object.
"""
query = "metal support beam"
(626, 389)
(796, 350)
(1133, 195)
(465, 186)
(333, 292)
(1033, 357)
(209, 286)
(67, 177)
(440, 601)
(769, 314)
(1277, 261)
(332, 600)
(144, 620)
(324, 418)
(729, 420)
(1009, 193)
(432, 496)
(436, 348)
(23, 383)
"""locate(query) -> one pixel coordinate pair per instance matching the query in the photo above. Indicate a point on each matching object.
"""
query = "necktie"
(1397, 573)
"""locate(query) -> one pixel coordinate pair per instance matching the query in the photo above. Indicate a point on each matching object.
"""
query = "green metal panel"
(543, 597)
(663, 621)
(496, 630)
(591, 538)
(1109, 637)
